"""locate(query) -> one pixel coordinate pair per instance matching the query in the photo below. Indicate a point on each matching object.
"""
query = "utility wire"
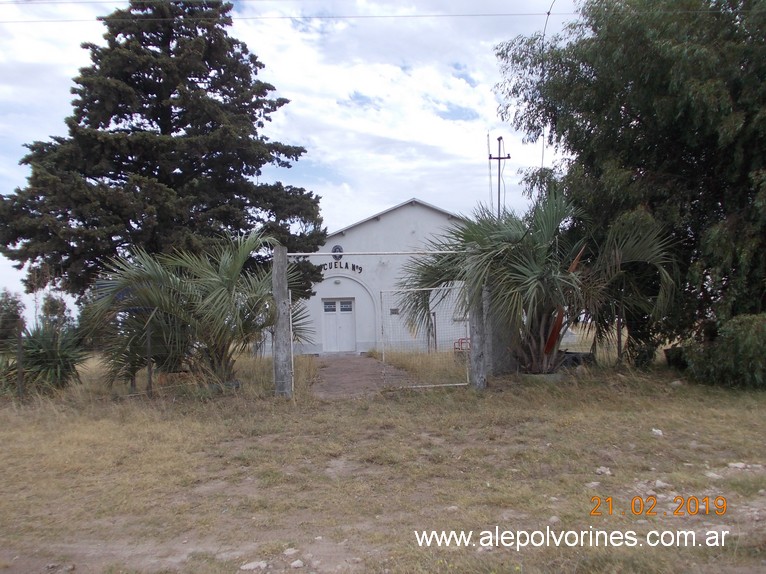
(547, 14)
(542, 51)
(302, 17)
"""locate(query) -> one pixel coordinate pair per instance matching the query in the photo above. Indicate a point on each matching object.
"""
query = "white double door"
(339, 325)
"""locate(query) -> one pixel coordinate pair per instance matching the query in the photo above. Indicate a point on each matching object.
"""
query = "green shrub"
(7, 373)
(736, 358)
(51, 356)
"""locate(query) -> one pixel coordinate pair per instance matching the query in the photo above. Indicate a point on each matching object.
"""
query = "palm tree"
(528, 270)
(201, 310)
(634, 254)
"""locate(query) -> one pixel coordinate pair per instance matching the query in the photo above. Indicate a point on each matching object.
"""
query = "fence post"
(149, 388)
(500, 359)
(283, 374)
(20, 360)
(478, 333)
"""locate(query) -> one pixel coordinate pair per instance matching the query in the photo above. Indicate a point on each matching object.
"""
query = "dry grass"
(442, 368)
(195, 481)
(451, 368)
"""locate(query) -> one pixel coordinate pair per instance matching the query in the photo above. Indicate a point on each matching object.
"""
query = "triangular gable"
(410, 202)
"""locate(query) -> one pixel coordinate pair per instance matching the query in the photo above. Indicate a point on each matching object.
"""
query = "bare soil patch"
(209, 485)
(353, 375)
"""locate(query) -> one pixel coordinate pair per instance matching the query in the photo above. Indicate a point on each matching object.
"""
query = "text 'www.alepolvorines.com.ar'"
(593, 537)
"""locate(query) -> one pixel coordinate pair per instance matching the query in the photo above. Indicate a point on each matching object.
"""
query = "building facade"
(354, 309)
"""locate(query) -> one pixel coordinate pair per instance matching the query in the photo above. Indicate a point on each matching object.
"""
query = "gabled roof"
(411, 201)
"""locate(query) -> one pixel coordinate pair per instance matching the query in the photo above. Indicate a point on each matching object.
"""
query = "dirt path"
(346, 376)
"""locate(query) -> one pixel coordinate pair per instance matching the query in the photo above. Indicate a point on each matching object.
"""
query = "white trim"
(377, 216)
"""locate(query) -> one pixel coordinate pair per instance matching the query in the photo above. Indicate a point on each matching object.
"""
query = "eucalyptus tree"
(660, 105)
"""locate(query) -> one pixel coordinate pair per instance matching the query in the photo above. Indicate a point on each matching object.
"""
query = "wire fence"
(434, 348)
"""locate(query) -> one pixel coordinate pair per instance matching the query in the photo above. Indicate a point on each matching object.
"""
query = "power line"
(542, 51)
(547, 14)
(303, 17)
(66, 2)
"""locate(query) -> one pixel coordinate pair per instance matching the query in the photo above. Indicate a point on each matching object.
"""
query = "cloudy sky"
(391, 99)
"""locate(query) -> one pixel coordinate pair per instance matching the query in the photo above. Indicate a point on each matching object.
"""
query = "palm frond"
(199, 308)
(524, 266)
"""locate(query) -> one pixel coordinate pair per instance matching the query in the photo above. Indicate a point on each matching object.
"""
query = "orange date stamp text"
(647, 506)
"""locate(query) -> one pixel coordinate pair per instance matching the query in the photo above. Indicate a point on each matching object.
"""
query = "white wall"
(362, 277)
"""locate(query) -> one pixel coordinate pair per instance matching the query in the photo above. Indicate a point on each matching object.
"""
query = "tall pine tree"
(164, 149)
(660, 106)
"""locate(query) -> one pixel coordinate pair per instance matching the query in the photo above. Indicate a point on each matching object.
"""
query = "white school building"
(354, 309)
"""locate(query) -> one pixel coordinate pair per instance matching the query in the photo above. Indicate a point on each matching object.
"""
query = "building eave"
(378, 216)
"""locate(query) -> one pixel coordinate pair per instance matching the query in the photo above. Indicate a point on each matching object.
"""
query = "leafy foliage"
(660, 106)
(525, 266)
(54, 311)
(7, 372)
(630, 273)
(197, 311)
(51, 356)
(11, 320)
(51, 350)
(165, 142)
(735, 358)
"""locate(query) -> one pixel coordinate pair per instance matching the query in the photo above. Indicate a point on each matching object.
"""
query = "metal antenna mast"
(499, 159)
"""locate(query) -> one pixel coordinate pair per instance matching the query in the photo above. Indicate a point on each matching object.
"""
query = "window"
(346, 306)
(394, 311)
(329, 307)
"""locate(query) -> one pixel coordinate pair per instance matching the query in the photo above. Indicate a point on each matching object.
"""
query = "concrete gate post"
(477, 322)
(283, 373)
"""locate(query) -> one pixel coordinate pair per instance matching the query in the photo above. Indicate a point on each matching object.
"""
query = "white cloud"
(387, 108)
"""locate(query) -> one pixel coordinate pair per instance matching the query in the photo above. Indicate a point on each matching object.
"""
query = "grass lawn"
(192, 483)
